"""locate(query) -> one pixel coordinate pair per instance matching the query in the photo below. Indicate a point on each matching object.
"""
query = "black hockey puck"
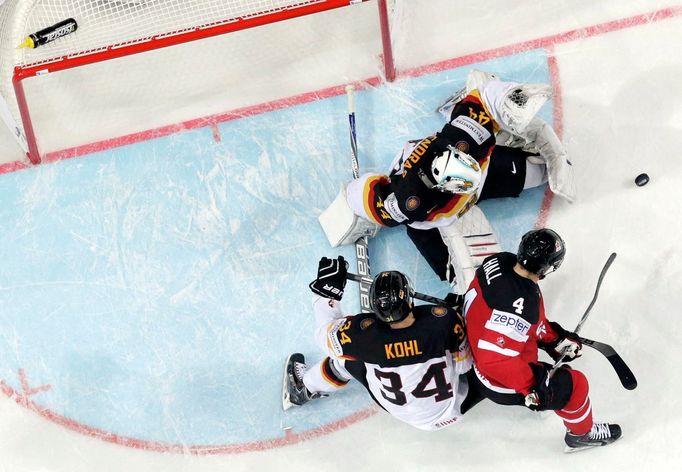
(641, 180)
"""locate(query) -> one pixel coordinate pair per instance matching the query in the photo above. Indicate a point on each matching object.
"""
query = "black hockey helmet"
(390, 296)
(541, 251)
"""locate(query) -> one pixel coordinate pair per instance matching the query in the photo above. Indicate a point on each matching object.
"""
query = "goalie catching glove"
(331, 278)
(567, 344)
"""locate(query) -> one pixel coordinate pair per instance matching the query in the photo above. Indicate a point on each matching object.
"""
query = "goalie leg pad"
(477, 80)
(469, 240)
(341, 225)
(536, 175)
(551, 152)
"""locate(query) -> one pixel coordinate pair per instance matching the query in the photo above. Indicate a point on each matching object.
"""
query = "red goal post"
(111, 29)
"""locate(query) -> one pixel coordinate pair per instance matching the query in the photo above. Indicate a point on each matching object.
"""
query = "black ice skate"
(601, 434)
(293, 389)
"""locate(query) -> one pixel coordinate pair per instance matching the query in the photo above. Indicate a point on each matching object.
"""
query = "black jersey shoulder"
(503, 288)
(470, 129)
(435, 330)
(411, 187)
(420, 158)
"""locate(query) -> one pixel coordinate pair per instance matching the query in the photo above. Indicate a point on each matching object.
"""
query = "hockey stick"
(608, 263)
(361, 245)
(420, 296)
(625, 375)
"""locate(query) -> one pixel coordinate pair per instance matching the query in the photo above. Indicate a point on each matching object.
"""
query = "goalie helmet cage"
(112, 29)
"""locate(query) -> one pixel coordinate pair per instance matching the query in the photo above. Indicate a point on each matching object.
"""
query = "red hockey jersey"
(505, 320)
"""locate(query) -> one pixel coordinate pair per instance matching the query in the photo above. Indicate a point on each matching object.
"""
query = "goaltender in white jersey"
(411, 359)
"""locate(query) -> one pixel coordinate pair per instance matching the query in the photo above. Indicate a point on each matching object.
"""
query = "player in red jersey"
(506, 325)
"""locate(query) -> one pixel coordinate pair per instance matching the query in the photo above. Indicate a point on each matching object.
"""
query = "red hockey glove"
(331, 278)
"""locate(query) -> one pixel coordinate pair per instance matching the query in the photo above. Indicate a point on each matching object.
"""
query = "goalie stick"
(361, 245)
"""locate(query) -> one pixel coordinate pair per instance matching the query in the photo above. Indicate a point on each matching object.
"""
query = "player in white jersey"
(411, 359)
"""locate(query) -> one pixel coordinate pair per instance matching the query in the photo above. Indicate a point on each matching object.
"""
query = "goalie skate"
(601, 434)
(446, 107)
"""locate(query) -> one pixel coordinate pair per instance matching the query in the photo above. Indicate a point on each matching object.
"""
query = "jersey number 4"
(393, 391)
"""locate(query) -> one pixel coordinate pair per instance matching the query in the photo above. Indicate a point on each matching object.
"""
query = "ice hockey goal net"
(112, 29)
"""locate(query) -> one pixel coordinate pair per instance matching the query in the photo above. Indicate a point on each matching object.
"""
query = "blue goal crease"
(159, 287)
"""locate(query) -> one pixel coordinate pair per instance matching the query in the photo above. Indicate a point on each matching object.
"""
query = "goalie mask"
(390, 296)
(541, 251)
(456, 172)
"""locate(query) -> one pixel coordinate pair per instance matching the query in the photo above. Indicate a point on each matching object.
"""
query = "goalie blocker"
(341, 225)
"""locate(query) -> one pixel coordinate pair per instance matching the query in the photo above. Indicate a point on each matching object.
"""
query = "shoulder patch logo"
(462, 146)
(366, 323)
(439, 311)
(412, 203)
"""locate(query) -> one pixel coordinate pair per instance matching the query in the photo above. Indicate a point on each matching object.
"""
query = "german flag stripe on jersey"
(459, 203)
(329, 375)
(369, 197)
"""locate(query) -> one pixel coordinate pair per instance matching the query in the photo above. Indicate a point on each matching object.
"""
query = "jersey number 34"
(393, 391)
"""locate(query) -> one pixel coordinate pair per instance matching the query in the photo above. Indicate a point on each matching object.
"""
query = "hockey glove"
(540, 396)
(549, 395)
(567, 344)
(331, 278)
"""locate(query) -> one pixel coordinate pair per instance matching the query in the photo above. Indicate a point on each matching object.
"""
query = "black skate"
(601, 434)
(293, 389)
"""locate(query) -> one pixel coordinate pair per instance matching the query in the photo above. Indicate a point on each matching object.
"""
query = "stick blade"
(625, 375)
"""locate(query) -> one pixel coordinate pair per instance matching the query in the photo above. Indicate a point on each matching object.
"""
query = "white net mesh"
(107, 24)
(184, 82)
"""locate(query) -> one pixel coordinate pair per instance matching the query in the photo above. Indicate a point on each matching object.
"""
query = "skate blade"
(569, 449)
(286, 403)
